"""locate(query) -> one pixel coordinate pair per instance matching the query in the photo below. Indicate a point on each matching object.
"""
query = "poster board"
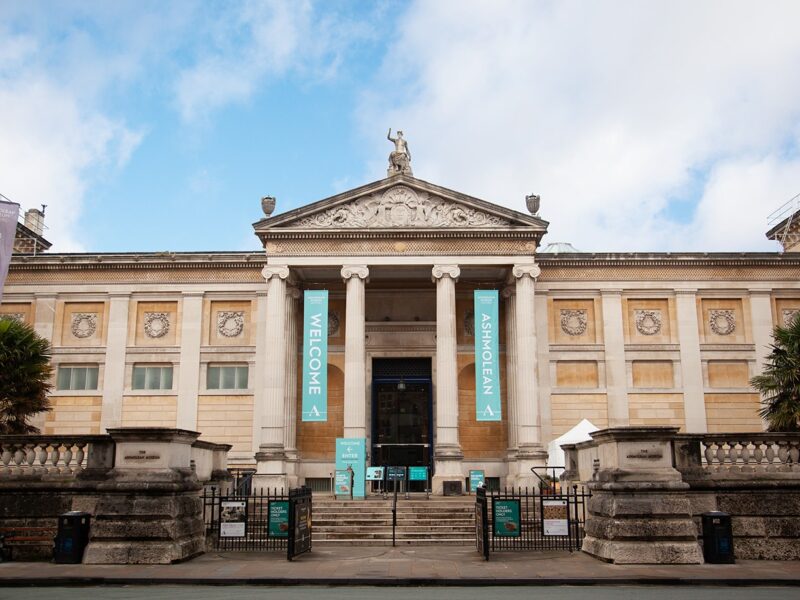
(232, 518)
(555, 517)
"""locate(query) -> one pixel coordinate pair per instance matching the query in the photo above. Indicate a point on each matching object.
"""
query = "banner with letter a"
(315, 355)
(487, 359)
(9, 213)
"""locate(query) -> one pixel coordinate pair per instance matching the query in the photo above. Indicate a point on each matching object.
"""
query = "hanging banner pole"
(315, 355)
(487, 359)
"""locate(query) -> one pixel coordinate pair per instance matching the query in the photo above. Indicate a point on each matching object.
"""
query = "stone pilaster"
(355, 384)
(290, 417)
(694, 405)
(761, 326)
(114, 372)
(260, 327)
(189, 376)
(448, 455)
(616, 373)
(530, 452)
(271, 456)
(44, 319)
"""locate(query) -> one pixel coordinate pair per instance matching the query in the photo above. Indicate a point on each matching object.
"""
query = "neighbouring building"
(213, 341)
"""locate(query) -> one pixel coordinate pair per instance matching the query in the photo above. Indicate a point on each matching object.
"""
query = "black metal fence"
(241, 522)
(521, 519)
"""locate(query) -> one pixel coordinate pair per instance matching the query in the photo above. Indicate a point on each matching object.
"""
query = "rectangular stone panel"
(724, 321)
(649, 320)
(22, 311)
(228, 323)
(156, 323)
(653, 374)
(73, 415)
(728, 374)
(568, 409)
(576, 374)
(574, 321)
(81, 324)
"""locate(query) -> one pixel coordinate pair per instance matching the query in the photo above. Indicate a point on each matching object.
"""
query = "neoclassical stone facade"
(211, 342)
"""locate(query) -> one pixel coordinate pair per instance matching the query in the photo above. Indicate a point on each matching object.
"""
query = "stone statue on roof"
(400, 158)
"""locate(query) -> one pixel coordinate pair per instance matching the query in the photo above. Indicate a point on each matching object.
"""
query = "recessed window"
(226, 377)
(77, 378)
(152, 378)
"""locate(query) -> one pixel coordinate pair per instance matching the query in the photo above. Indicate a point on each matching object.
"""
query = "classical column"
(290, 410)
(114, 371)
(447, 457)
(543, 386)
(270, 459)
(694, 404)
(530, 451)
(355, 385)
(762, 325)
(189, 376)
(616, 373)
(509, 293)
(259, 325)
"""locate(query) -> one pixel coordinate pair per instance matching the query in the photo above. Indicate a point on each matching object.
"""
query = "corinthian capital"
(360, 271)
(269, 272)
(532, 271)
(451, 271)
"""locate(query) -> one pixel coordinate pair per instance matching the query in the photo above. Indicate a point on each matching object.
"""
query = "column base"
(526, 458)
(271, 470)
(447, 467)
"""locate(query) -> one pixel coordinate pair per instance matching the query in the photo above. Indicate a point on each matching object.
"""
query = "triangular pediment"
(400, 202)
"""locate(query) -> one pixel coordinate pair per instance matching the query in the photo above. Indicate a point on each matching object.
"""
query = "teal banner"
(506, 518)
(476, 479)
(352, 452)
(487, 356)
(278, 518)
(315, 355)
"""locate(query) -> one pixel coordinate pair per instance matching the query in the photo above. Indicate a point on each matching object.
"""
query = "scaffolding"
(784, 224)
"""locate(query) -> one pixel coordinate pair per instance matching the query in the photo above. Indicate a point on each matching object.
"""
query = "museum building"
(215, 342)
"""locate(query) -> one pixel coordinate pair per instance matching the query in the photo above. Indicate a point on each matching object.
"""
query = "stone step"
(399, 542)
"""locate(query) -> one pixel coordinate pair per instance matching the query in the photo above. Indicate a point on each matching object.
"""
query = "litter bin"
(72, 537)
(717, 538)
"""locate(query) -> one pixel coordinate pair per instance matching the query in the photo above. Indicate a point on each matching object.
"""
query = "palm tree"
(779, 384)
(24, 376)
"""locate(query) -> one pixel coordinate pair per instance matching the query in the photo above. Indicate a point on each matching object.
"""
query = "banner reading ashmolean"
(315, 355)
(487, 360)
(9, 212)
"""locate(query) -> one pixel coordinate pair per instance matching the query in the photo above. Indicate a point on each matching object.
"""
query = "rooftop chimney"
(34, 220)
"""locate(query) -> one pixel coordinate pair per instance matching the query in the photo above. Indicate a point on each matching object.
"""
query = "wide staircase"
(420, 521)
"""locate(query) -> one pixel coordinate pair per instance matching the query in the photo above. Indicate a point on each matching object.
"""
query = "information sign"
(476, 479)
(555, 517)
(302, 527)
(506, 521)
(352, 452)
(233, 518)
(374, 473)
(278, 518)
(418, 473)
(395, 473)
(342, 482)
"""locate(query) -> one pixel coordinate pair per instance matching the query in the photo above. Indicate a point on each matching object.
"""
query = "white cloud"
(608, 110)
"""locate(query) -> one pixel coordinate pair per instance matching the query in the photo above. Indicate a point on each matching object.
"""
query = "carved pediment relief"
(399, 206)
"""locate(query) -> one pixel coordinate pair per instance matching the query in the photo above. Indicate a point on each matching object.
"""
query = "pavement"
(401, 566)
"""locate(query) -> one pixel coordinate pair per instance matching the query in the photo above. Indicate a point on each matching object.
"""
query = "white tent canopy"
(579, 433)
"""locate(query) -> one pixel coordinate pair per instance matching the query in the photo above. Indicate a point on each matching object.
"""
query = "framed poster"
(374, 473)
(233, 518)
(418, 473)
(555, 517)
(395, 473)
(505, 518)
(342, 482)
(278, 518)
(476, 479)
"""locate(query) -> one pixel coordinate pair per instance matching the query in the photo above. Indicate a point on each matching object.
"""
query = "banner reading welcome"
(315, 355)
(487, 360)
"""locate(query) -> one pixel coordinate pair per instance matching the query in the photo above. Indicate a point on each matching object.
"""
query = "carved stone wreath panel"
(648, 322)
(156, 324)
(333, 324)
(401, 206)
(722, 321)
(230, 323)
(574, 321)
(83, 325)
(789, 314)
(15, 316)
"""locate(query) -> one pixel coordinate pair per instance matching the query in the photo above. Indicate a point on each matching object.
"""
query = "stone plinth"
(639, 512)
(149, 509)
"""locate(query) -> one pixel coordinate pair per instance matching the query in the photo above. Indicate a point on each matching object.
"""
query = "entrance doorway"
(402, 432)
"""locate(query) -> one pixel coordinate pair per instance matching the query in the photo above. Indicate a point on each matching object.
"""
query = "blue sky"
(148, 126)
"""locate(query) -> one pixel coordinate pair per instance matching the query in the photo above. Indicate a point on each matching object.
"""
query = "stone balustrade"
(65, 455)
(750, 452)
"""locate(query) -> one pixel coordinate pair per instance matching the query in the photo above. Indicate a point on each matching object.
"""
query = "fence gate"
(520, 519)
